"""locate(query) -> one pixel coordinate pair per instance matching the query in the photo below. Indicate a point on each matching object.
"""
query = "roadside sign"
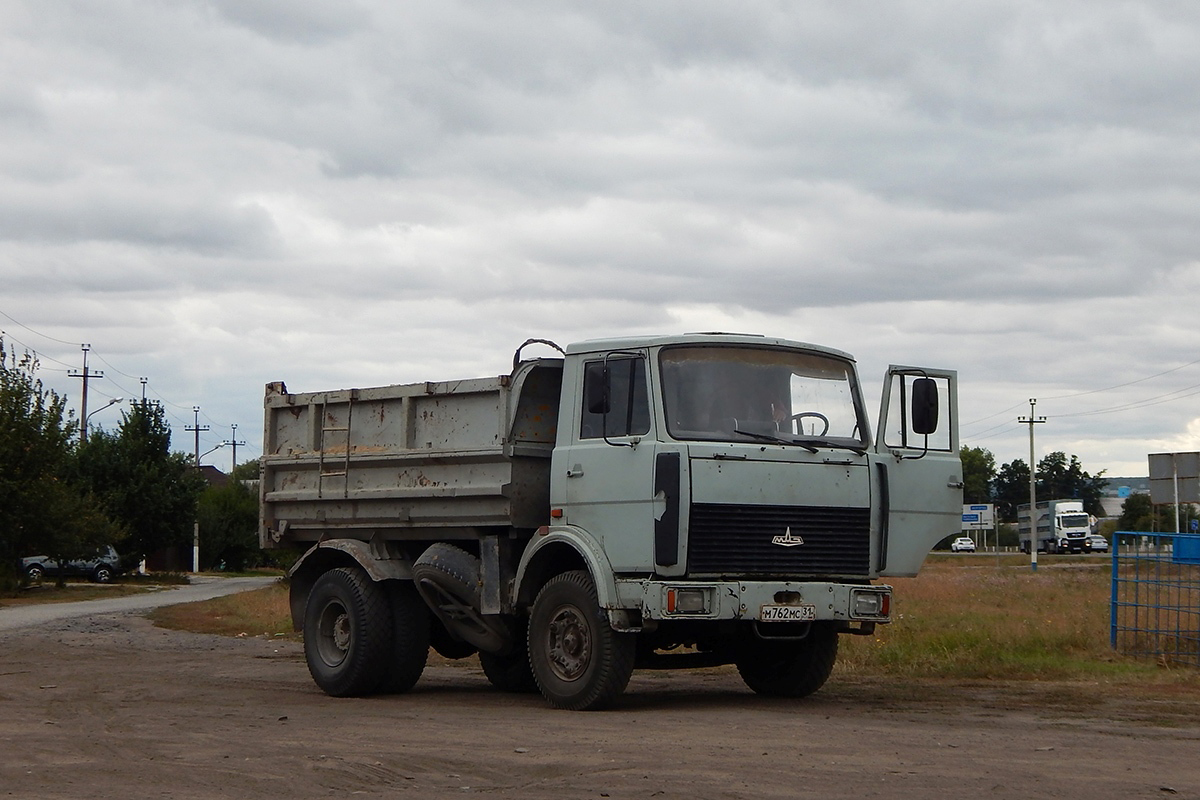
(978, 515)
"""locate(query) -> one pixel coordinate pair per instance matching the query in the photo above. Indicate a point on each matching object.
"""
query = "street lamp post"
(83, 428)
(196, 524)
(206, 452)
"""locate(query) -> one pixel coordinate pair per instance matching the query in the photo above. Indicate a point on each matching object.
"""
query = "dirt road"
(202, 587)
(110, 707)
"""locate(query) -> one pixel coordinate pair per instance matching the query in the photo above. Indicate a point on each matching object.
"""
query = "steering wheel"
(813, 414)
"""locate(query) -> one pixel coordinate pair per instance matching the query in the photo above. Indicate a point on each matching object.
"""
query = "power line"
(1144, 403)
(1150, 401)
(16, 321)
(73, 372)
(1123, 385)
(34, 350)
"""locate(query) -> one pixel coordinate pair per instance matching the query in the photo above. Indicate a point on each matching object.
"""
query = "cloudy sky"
(215, 194)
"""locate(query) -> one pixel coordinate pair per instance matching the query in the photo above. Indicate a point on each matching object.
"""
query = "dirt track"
(111, 707)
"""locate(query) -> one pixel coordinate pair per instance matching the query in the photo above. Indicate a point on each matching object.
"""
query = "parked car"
(1099, 543)
(963, 544)
(101, 568)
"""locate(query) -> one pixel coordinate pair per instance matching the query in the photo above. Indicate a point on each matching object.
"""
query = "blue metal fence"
(1156, 596)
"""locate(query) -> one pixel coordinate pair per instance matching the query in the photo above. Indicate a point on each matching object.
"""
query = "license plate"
(774, 613)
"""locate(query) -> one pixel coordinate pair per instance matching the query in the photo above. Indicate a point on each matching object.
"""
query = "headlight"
(870, 605)
(687, 601)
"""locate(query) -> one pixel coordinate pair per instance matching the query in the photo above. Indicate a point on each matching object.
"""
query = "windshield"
(737, 394)
(1073, 521)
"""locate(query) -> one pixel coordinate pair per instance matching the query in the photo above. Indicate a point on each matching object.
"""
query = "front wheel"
(579, 662)
(347, 633)
(790, 668)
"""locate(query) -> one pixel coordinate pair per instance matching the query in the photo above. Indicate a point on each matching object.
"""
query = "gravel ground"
(108, 706)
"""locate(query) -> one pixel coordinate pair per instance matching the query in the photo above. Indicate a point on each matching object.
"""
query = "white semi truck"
(1063, 526)
(689, 500)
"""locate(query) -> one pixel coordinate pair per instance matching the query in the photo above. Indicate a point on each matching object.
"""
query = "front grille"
(731, 540)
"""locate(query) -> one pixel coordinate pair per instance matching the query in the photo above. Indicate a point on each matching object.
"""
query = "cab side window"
(616, 401)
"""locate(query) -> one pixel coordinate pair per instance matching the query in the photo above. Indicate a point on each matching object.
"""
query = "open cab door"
(918, 471)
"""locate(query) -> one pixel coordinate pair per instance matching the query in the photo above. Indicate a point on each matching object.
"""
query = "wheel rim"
(334, 634)
(569, 643)
(35, 574)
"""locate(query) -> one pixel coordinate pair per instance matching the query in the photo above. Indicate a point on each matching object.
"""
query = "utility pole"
(144, 382)
(1032, 420)
(197, 428)
(234, 441)
(85, 373)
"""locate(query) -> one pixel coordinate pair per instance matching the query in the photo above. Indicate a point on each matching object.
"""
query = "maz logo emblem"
(787, 540)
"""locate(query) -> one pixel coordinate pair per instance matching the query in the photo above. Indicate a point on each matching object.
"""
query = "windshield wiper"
(766, 437)
(810, 443)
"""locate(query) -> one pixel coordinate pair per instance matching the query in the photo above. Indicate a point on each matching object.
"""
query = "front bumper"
(754, 600)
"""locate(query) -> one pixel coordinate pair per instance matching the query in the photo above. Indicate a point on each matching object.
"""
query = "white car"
(963, 544)
(1099, 543)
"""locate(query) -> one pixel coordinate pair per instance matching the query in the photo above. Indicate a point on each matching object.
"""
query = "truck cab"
(713, 456)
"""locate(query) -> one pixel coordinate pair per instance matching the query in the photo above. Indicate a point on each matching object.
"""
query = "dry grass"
(262, 612)
(968, 619)
(47, 592)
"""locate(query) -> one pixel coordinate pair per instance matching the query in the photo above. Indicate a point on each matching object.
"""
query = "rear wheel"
(579, 662)
(347, 633)
(511, 671)
(790, 668)
(35, 573)
(410, 637)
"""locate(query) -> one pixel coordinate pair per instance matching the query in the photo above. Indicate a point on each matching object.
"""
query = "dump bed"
(396, 461)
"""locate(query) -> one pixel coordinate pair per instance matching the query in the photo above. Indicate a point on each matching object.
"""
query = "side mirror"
(924, 406)
(596, 388)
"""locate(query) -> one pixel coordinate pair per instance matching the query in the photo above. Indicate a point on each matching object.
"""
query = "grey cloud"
(154, 222)
(292, 21)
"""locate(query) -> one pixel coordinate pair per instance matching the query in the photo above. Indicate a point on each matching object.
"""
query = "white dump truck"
(1063, 526)
(690, 500)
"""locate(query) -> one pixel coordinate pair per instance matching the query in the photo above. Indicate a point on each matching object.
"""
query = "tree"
(77, 527)
(1011, 488)
(150, 490)
(979, 470)
(1058, 478)
(228, 518)
(1139, 514)
(40, 509)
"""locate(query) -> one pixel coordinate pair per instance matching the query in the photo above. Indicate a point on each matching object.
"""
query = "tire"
(448, 579)
(410, 637)
(510, 672)
(347, 633)
(35, 573)
(789, 668)
(102, 574)
(579, 662)
(446, 644)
